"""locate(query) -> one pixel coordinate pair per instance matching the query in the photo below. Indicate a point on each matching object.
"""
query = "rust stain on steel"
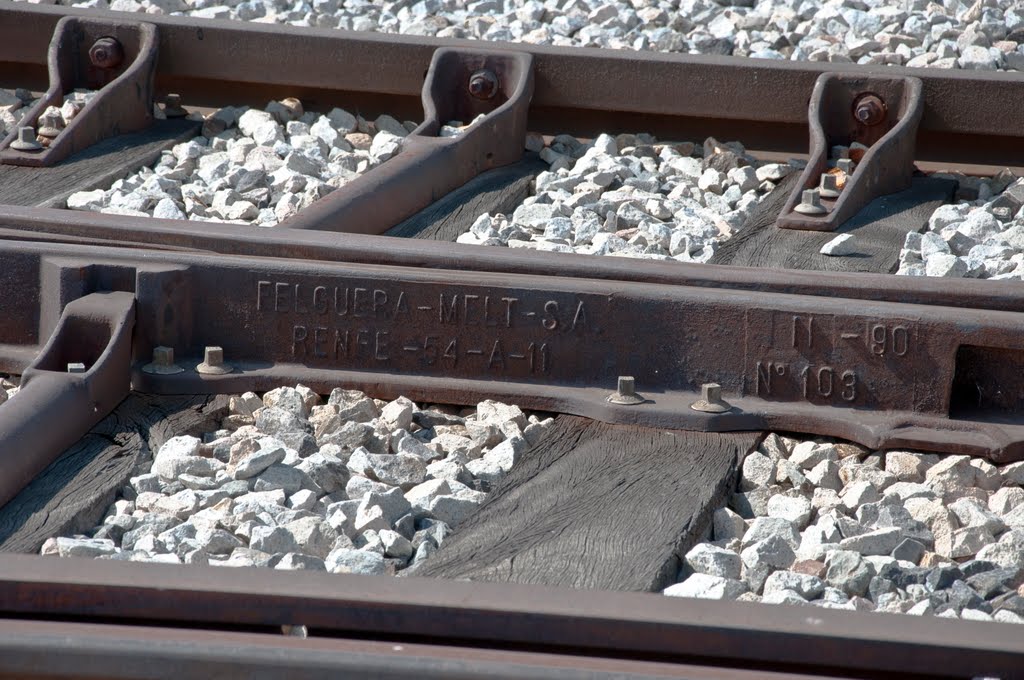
(221, 62)
(56, 407)
(91, 53)
(886, 374)
(880, 113)
(512, 616)
(429, 166)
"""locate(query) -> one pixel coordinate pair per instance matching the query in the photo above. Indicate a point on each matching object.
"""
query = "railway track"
(665, 378)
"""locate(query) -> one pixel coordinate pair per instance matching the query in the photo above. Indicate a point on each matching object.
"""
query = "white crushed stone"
(631, 196)
(353, 485)
(984, 34)
(252, 166)
(981, 238)
(897, 531)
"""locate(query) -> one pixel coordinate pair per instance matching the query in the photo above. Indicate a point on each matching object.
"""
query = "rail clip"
(876, 120)
(460, 85)
(79, 377)
(117, 58)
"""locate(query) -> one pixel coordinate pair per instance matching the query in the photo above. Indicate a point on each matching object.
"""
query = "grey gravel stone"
(707, 587)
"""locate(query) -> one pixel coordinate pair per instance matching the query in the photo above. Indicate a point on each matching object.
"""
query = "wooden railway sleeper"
(880, 116)
(115, 57)
(461, 84)
(79, 377)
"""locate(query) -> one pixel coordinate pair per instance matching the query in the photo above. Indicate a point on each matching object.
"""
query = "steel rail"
(513, 617)
(90, 228)
(49, 649)
(811, 363)
(761, 102)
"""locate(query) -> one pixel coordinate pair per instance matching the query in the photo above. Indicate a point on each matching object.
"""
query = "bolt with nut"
(483, 84)
(106, 53)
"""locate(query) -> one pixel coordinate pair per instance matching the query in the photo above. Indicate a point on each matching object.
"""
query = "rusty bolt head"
(483, 84)
(869, 109)
(106, 53)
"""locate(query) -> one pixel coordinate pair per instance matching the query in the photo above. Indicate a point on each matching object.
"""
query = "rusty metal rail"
(850, 366)
(670, 95)
(599, 631)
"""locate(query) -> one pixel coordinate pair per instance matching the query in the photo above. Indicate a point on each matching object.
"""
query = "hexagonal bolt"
(172, 106)
(811, 203)
(846, 165)
(50, 125)
(106, 53)
(76, 367)
(26, 140)
(163, 362)
(625, 393)
(213, 362)
(711, 399)
(829, 186)
(483, 84)
(869, 109)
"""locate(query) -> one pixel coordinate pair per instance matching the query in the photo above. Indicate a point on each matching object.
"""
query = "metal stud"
(49, 126)
(846, 165)
(711, 399)
(213, 362)
(76, 367)
(829, 186)
(163, 362)
(26, 140)
(811, 203)
(625, 394)
(172, 106)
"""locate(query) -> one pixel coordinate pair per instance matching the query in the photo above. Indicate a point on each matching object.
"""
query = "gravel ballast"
(834, 525)
(353, 485)
(813, 522)
(980, 35)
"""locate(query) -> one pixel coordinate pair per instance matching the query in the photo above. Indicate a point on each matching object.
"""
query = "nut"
(869, 109)
(483, 84)
(106, 53)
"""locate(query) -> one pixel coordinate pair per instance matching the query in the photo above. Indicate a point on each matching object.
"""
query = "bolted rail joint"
(625, 393)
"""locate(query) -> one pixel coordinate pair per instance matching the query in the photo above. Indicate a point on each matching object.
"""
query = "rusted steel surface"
(44, 649)
(670, 95)
(79, 376)
(879, 372)
(882, 114)
(112, 55)
(460, 85)
(507, 616)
